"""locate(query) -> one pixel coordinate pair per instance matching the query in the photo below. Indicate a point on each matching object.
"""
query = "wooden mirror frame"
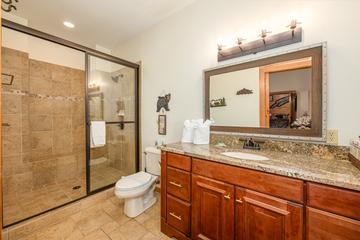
(317, 53)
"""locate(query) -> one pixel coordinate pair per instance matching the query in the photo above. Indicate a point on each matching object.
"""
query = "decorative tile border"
(42, 96)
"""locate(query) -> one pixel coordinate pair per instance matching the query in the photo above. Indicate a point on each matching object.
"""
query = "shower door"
(43, 125)
(112, 126)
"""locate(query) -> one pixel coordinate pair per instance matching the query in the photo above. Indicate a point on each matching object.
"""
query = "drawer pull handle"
(176, 184)
(227, 196)
(175, 216)
(239, 201)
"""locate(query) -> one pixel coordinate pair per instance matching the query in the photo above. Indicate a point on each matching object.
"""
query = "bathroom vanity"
(206, 195)
(308, 191)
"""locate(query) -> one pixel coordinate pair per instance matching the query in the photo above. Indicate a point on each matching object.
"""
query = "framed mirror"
(278, 96)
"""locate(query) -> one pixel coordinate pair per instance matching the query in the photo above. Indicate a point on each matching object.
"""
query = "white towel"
(188, 132)
(202, 132)
(97, 134)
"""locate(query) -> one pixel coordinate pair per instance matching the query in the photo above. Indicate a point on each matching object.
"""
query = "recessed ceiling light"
(69, 24)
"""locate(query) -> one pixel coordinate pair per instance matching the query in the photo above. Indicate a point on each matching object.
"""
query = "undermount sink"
(245, 156)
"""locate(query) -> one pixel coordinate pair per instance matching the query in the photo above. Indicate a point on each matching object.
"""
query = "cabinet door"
(263, 217)
(324, 225)
(212, 209)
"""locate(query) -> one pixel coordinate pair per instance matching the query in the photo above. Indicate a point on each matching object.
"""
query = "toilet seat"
(134, 181)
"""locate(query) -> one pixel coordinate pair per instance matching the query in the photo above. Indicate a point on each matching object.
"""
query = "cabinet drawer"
(283, 187)
(178, 214)
(335, 200)
(179, 161)
(178, 183)
(323, 225)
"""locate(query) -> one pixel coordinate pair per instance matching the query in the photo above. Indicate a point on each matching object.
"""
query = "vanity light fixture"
(68, 24)
(240, 41)
(239, 48)
(264, 34)
(293, 25)
(220, 48)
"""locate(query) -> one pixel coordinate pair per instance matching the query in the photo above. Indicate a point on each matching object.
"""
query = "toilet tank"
(152, 160)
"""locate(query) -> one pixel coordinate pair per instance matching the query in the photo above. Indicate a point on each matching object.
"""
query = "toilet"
(137, 189)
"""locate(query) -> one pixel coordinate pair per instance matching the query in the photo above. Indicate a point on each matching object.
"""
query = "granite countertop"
(335, 172)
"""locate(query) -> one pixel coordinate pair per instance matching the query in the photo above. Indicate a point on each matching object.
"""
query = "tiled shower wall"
(123, 141)
(120, 147)
(44, 144)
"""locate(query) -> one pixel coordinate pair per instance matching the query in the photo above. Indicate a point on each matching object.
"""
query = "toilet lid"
(133, 181)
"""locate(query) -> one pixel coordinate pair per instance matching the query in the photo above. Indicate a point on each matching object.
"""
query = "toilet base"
(133, 207)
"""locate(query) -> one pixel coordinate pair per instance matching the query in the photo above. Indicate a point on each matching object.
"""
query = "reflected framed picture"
(162, 124)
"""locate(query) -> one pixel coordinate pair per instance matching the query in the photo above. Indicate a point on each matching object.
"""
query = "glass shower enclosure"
(55, 95)
(112, 122)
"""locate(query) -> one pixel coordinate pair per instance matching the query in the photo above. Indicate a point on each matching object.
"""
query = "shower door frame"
(87, 112)
(87, 52)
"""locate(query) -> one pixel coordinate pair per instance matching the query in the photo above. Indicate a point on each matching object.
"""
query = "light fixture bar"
(266, 42)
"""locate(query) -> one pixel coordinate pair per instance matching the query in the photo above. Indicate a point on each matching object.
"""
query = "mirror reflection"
(278, 95)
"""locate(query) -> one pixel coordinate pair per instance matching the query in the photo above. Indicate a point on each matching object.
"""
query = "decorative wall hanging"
(162, 124)
(163, 102)
(218, 102)
(244, 91)
(8, 5)
(280, 102)
(7, 79)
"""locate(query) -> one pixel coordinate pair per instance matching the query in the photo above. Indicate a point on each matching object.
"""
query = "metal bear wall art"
(163, 102)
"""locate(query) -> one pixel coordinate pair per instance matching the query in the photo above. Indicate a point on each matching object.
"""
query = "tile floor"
(21, 206)
(104, 221)
(103, 175)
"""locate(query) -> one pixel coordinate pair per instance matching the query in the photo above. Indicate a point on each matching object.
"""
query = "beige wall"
(43, 50)
(174, 53)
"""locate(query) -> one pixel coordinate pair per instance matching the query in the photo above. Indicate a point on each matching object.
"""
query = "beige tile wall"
(123, 141)
(120, 147)
(45, 143)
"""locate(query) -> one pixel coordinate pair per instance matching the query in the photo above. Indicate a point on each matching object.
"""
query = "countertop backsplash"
(323, 151)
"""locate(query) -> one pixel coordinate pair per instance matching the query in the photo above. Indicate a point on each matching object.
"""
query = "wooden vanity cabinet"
(260, 216)
(332, 213)
(324, 225)
(205, 200)
(212, 209)
(175, 195)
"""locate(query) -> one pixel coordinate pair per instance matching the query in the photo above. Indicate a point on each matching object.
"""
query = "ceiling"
(105, 22)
